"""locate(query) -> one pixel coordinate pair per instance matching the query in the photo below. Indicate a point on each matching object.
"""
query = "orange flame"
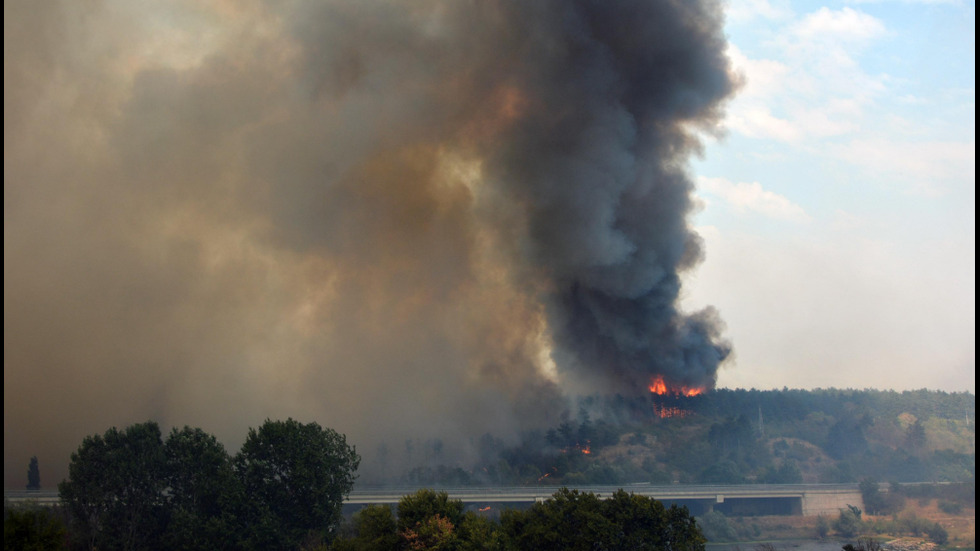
(659, 387)
(665, 412)
(586, 449)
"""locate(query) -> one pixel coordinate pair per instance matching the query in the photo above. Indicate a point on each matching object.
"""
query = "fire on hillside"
(664, 393)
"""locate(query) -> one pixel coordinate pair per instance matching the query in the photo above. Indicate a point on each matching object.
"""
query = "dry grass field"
(961, 527)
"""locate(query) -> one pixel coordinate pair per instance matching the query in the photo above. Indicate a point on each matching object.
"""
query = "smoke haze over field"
(429, 218)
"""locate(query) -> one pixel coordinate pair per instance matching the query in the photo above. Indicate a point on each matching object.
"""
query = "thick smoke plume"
(427, 218)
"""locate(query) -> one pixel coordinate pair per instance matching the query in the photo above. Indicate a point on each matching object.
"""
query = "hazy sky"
(433, 219)
(839, 209)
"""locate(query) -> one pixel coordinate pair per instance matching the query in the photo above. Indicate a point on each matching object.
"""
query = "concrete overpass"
(735, 500)
(739, 500)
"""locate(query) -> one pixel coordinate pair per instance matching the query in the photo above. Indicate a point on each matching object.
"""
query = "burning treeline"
(576, 448)
(732, 437)
(438, 214)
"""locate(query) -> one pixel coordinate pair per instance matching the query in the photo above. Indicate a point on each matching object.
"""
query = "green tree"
(787, 473)
(374, 529)
(569, 520)
(295, 478)
(478, 533)
(645, 523)
(871, 495)
(429, 520)
(878, 503)
(722, 472)
(417, 508)
(846, 436)
(203, 491)
(115, 489)
(572, 520)
(32, 528)
(33, 475)
(436, 533)
(915, 435)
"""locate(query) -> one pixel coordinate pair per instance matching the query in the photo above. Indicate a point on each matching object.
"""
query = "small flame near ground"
(660, 387)
(585, 449)
(666, 412)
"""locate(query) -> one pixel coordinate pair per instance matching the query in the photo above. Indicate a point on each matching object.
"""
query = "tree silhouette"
(33, 475)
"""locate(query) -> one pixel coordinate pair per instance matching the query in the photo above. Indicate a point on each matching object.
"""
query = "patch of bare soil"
(909, 544)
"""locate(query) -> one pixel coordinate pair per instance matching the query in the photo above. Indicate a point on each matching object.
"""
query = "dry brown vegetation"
(961, 527)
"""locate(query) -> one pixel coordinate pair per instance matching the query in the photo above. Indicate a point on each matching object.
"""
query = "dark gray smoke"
(427, 218)
(599, 173)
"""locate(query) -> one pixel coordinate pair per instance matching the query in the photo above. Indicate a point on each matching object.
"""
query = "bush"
(849, 523)
(823, 527)
(878, 503)
(937, 534)
(716, 527)
(32, 527)
(913, 525)
(863, 544)
(950, 507)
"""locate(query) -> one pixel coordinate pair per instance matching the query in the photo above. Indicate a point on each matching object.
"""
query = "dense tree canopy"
(569, 520)
(373, 528)
(573, 520)
(115, 491)
(295, 478)
(722, 436)
(131, 490)
(204, 493)
(415, 509)
(32, 527)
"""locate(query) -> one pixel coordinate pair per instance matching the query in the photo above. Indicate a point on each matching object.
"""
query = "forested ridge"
(721, 436)
(134, 489)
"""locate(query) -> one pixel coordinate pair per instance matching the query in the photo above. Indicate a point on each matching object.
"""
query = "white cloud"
(837, 25)
(830, 119)
(750, 115)
(929, 168)
(749, 196)
(746, 10)
(759, 122)
(927, 2)
(822, 52)
(811, 85)
(762, 77)
(844, 221)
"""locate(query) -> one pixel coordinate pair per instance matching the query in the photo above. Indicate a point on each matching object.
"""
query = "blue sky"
(838, 198)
